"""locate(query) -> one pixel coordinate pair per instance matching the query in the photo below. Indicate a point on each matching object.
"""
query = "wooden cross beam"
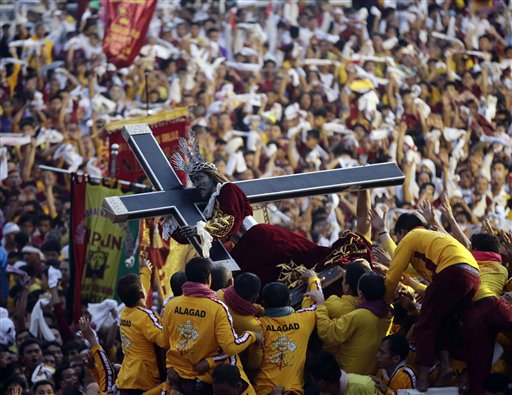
(184, 204)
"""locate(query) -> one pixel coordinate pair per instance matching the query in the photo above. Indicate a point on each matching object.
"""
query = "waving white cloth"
(42, 372)
(100, 313)
(54, 275)
(38, 324)
(7, 329)
(3, 163)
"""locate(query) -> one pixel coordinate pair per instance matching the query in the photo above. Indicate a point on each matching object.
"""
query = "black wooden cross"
(183, 203)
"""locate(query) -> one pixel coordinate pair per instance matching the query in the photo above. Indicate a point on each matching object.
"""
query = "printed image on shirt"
(188, 334)
(125, 342)
(280, 348)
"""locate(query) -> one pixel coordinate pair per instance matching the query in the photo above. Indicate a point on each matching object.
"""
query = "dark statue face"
(204, 184)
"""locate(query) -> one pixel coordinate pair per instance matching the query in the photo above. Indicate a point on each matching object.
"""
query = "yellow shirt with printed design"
(285, 341)
(199, 328)
(140, 330)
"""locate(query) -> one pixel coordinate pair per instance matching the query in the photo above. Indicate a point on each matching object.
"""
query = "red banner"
(77, 249)
(126, 26)
(167, 127)
(101, 251)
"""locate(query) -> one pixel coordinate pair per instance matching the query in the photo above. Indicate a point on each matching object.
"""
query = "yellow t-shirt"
(403, 377)
(140, 330)
(46, 50)
(428, 252)
(199, 328)
(339, 306)
(361, 385)
(493, 276)
(12, 80)
(285, 341)
(356, 336)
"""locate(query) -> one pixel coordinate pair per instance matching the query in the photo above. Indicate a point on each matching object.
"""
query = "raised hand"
(15, 390)
(378, 221)
(446, 207)
(144, 262)
(87, 332)
(507, 238)
(427, 211)
(487, 227)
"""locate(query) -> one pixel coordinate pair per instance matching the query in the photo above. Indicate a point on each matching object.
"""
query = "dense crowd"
(272, 88)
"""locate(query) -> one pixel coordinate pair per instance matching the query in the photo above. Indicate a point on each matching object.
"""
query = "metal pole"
(113, 164)
(81, 173)
(146, 73)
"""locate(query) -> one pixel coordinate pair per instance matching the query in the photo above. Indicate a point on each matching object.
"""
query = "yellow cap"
(361, 86)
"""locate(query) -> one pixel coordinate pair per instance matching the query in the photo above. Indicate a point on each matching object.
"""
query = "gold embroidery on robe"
(220, 224)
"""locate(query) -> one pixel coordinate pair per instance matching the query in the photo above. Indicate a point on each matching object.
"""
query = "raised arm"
(401, 259)
(457, 232)
(231, 343)
(364, 206)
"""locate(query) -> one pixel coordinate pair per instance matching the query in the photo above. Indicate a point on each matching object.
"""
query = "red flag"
(78, 245)
(127, 22)
(167, 127)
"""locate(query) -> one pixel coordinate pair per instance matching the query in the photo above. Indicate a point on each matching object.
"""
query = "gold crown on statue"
(188, 158)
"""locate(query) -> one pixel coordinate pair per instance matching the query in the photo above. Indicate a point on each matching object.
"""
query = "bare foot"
(422, 383)
(445, 378)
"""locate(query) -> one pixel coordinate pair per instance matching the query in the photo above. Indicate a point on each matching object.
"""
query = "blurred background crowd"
(272, 88)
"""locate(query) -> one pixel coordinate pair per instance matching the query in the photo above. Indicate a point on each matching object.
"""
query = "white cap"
(33, 250)
(10, 227)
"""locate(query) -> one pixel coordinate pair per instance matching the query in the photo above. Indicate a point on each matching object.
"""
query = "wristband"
(383, 233)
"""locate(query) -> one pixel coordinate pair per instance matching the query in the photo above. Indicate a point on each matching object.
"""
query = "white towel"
(42, 372)
(7, 329)
(205, 237)
(54, 275)
(51, 136)
(100, 313)
(14, 139)
(3, 164)
(38, 324)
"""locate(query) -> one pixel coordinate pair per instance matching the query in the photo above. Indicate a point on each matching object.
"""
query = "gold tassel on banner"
(146, 238)
(157, 240)
(145, 241)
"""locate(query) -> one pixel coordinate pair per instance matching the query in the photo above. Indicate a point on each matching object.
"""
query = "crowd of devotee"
(424, 295)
